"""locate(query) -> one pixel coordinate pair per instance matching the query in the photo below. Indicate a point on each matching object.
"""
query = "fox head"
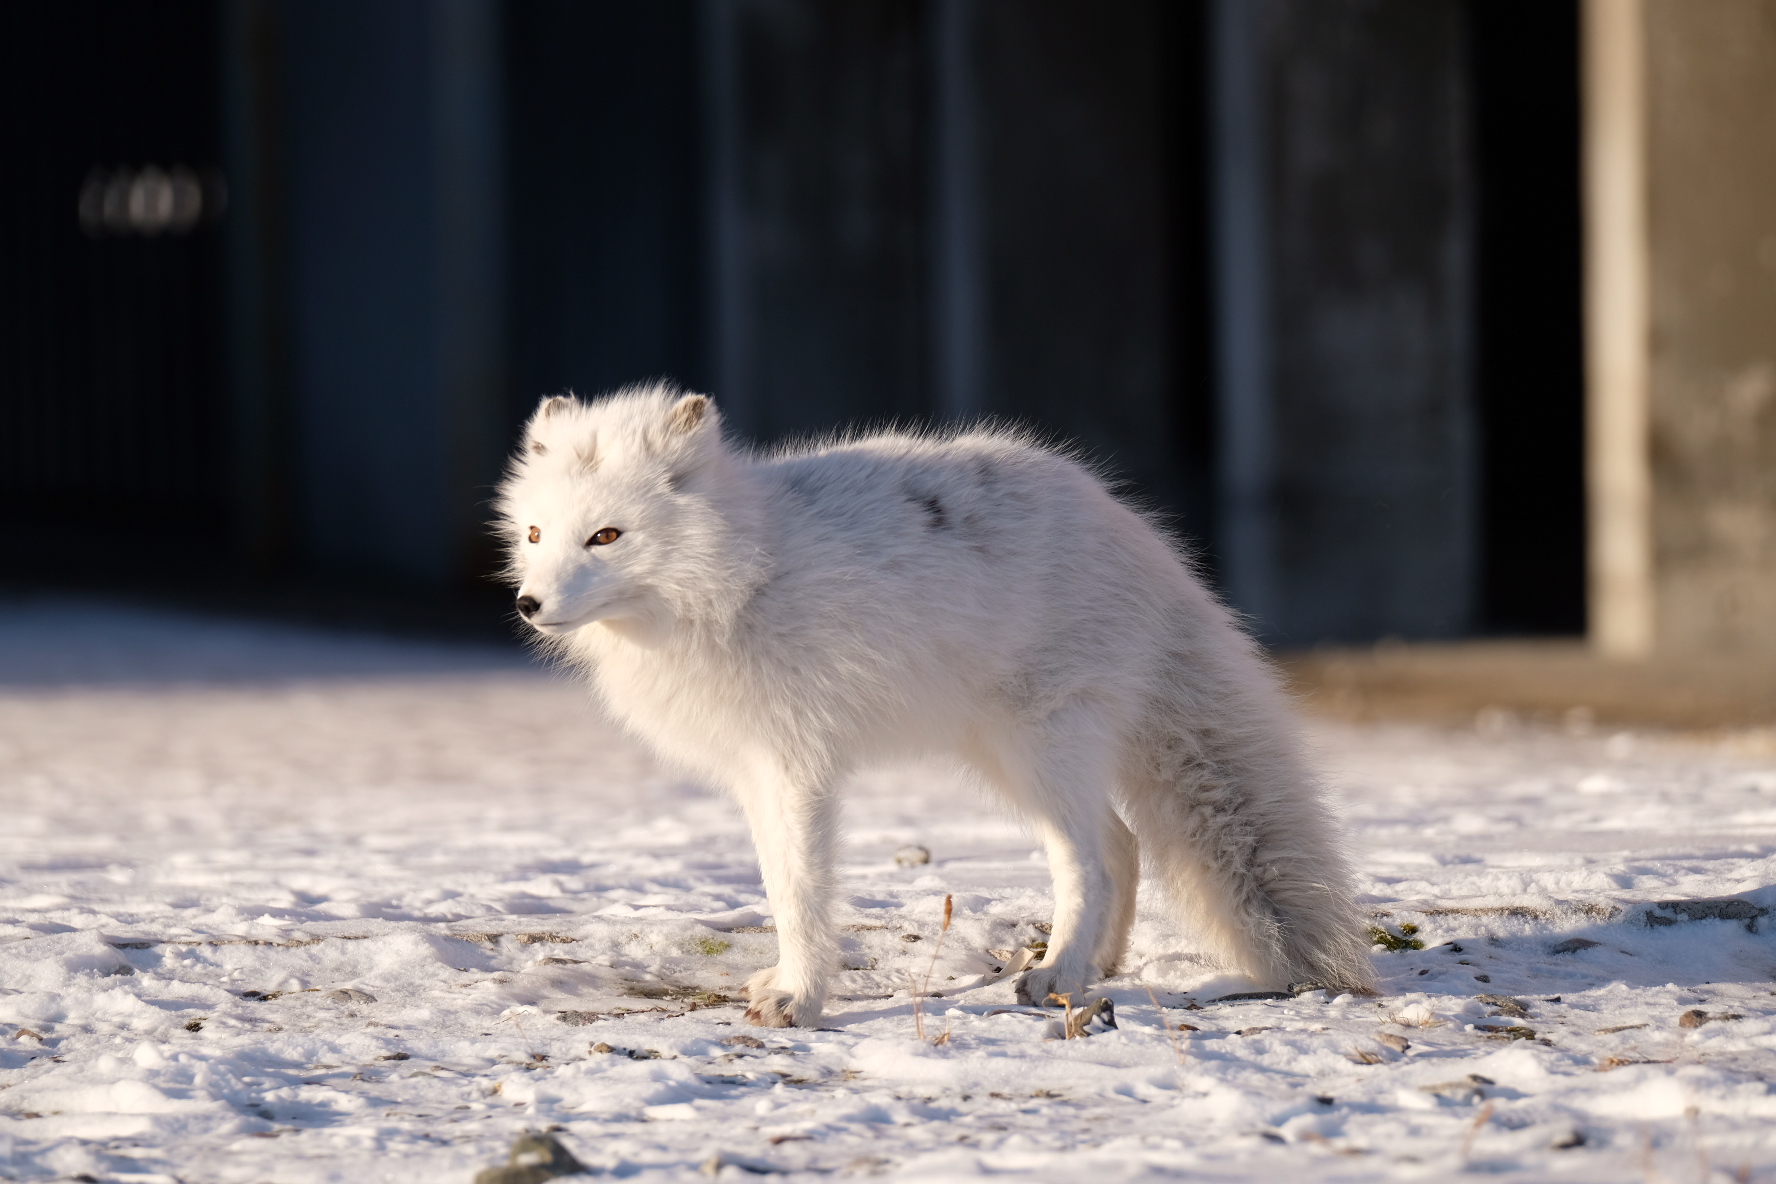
(624, 510)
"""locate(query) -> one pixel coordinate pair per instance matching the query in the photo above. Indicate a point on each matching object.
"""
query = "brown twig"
(1066, 1002)
(525, 1036)
(920, 990)
(1474, 1130)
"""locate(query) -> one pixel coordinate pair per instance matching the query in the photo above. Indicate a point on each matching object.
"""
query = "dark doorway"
(1529, 317)
(605, 225)
(1190, 369)
(111, 424)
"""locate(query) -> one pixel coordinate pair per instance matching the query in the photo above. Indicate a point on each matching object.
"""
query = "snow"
(283, 905)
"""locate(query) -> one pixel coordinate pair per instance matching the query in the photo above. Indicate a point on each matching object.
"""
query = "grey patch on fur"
(554, 403)
(933, 510)
(538, 447)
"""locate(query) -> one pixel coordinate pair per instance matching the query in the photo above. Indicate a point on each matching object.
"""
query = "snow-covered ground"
(282, 906)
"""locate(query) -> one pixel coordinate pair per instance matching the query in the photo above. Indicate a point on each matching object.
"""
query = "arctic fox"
(774, 621)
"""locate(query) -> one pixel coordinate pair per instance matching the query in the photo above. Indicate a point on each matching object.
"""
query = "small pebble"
(535, 1158)
(1695, 1018)
(912, 855)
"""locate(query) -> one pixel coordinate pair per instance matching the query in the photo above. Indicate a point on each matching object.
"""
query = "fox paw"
(1042, 986)
(772, 1007)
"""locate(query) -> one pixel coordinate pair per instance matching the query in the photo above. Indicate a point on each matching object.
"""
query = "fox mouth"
(557, 626)
(612, 604)
(578, 620)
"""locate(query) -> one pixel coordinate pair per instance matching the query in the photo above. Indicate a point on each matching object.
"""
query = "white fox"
(773, 621)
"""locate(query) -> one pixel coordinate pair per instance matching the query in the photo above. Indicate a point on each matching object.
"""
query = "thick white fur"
(772, 623)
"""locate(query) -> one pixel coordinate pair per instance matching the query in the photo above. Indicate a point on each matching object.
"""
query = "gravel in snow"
(285, 906)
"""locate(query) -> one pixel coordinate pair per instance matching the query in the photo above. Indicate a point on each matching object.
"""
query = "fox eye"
(605, 537)
(536, 536)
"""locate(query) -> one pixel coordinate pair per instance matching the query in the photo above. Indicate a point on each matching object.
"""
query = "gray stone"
(534, 1159)
(1461, 1092)
(1695, 1018)
(1573, 945)
(351, 995)
(726, 1159)
(1724, 908)
(912, 855)
(578, 1019)
(1516, 1008)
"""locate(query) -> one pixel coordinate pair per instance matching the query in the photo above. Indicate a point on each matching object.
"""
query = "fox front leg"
(794, 829)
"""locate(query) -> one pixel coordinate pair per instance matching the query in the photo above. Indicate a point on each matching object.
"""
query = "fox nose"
(528, 606)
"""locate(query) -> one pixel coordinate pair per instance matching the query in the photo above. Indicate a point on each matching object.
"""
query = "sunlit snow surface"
(192, 811)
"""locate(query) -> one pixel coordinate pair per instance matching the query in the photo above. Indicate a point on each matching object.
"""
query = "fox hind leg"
(1124, 856)
(1059, 772)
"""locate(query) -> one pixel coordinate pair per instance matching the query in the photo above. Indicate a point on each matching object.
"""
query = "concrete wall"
(1681, 322)
(1711, 206)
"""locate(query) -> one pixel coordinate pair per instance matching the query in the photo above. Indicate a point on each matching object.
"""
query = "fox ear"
(687, 413)
(550, 406)
(690, 439)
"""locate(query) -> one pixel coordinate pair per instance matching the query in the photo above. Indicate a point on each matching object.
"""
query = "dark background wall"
(1524, 171)
(394, 265)
(1350, 466)
(605, 183)
(112, 414)
(1302, 275)
(1091, 152)
(829, 184)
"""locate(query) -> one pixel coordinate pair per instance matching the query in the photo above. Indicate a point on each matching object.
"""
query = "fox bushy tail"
(1239, 831)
